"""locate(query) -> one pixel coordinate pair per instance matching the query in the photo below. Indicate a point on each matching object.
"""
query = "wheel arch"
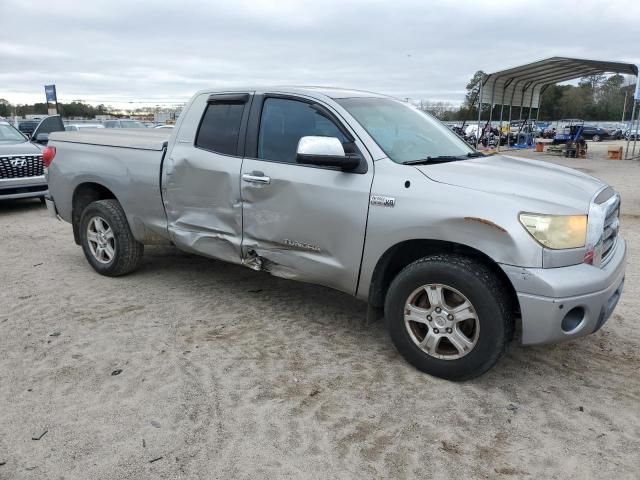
(84, 194)
(406, 252)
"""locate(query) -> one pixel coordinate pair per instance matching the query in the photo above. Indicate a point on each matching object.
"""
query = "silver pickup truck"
(361, 193)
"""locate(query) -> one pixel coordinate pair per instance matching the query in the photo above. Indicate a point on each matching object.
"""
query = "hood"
(542, 184)
(19, 148)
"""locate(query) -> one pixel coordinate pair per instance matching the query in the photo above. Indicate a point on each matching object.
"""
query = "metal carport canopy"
(523, 85)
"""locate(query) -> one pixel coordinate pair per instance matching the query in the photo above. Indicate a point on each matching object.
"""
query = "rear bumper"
(25, 187)
(51, 207)
(563, 303)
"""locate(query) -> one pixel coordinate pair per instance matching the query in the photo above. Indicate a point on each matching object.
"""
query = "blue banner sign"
(50, 92)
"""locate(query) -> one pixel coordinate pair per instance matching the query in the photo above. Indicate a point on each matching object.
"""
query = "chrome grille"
(20, 166)
(611, 227)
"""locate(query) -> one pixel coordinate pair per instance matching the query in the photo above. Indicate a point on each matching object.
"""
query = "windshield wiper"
(443, 158)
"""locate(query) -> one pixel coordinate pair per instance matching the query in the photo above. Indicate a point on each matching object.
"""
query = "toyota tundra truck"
(364, 194)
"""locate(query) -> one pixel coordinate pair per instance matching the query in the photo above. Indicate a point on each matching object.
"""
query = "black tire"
(128, 251)
(482, 288)
(42, 201)
(597, 138)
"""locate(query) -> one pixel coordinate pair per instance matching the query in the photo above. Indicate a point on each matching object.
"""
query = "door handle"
(256, 177)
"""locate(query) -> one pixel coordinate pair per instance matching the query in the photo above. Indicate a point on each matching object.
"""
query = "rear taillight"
(47, 156)
(589, 256)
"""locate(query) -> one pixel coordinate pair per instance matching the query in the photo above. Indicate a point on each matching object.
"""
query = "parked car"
(452, 244)
(28, 126)
(21, 166)
(549, 132)
(81, 126)
(616, 131)
(597, 134)
(630, 134)
(123, 124)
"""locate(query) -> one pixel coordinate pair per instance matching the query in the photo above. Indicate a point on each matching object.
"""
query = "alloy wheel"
(441, 321)
(101, 240)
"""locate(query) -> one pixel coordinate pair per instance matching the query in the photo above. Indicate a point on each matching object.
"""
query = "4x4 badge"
(382, 201)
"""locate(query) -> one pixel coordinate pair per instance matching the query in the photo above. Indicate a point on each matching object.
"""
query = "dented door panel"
(202, 201)
(201, 193)
(307, 224)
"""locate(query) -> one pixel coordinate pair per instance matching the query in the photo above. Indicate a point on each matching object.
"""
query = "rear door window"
(220, 128)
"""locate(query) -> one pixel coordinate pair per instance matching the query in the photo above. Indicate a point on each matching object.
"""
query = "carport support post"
(500, 124)
(509, 126)
(624, 107)
(529, 117)
(479, 113)
(635, 137)
(534, 138)
(490, 114)
(633, 113)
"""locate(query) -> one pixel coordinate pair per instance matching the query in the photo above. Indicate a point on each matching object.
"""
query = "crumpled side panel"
(202, 200)
(306, 224)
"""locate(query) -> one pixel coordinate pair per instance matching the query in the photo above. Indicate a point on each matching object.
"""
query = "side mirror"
(42, 138)
(325, 152)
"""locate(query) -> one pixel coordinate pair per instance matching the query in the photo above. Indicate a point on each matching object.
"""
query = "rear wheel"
(449, 316)
(106, 239)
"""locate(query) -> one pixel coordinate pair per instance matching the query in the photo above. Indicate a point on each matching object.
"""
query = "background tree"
(473, 89)
(550, 108)
(470, 106)
(611, 97)
(5, 108)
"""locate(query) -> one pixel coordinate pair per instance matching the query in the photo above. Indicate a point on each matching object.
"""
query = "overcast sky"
(137, 50)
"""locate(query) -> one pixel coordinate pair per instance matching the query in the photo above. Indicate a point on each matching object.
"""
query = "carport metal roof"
(523, 85)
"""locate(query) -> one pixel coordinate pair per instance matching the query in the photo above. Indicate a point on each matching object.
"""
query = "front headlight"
(556, 231)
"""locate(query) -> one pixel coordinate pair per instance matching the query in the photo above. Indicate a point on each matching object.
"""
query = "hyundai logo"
(18, 162)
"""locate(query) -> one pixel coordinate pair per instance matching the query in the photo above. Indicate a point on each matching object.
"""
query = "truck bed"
(125, 162)
(138, 138)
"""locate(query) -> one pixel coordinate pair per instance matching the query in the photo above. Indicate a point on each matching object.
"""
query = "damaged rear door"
(201, 177)
(302, 222)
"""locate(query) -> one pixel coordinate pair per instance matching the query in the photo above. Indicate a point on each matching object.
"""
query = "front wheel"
(596, 138)
(106, 239)
(449, 316)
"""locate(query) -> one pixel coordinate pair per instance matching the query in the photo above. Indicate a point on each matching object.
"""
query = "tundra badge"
(301, 245)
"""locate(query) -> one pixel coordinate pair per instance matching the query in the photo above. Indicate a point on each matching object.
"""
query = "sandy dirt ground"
(228, 373)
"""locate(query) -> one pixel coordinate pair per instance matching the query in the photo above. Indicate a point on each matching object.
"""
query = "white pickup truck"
(364, 194)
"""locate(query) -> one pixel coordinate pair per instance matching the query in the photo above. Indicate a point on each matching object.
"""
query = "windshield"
(403, 132)
(10, 134)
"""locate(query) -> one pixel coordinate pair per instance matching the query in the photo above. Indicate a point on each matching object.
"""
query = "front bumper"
(24, 187)
(563, 303)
